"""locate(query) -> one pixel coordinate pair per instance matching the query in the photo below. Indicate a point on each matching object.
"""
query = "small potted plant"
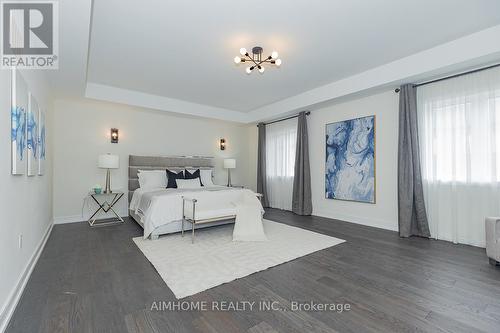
(97, 189)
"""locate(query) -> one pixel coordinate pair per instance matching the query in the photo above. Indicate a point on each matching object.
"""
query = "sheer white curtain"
(281, 140)
(459, 132)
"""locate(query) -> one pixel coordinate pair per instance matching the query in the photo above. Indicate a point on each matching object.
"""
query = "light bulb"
(243, 51)
(261, 70)
(248, 70)
(278, 62)
(274, 55)
(237, 60)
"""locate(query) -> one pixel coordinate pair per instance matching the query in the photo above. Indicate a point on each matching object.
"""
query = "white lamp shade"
(108, 161)
(229, 163)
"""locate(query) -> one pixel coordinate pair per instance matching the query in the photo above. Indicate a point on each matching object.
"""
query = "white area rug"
(215, 259)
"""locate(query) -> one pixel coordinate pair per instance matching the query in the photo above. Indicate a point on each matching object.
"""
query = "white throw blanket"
(248, 226)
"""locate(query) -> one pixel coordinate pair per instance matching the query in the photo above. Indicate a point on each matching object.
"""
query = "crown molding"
(149, 101)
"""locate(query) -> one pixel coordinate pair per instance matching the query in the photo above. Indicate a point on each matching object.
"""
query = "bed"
(162, 211)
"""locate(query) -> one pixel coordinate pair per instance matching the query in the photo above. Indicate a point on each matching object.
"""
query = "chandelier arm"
(257, 64)
(253, 60)
(267, 59)
(263, 61)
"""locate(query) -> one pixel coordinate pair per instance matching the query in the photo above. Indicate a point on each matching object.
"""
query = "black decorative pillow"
(194, 175)
(172, 178)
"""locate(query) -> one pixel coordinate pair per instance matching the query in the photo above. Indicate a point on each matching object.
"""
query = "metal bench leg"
(192, 232)
(193, 222)
(183, 217)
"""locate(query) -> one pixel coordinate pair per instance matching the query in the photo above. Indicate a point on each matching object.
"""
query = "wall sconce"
(114, 135)
(222, 144)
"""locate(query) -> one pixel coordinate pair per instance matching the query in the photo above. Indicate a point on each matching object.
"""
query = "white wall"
(26, 202)
(384, 212)
(82, 128)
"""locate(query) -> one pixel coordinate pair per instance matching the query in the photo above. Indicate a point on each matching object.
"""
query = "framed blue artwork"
(350, 160)
(18, 113)
(32, 136)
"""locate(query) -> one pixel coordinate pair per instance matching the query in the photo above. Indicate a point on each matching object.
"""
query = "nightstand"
(105, 201)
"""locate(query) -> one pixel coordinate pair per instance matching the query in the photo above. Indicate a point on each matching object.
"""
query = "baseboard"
(68, 219)
(370, 222)
(462, 242)
(15, 295)
(75, 218)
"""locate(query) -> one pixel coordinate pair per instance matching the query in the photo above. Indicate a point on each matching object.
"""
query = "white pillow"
(205, 176)
(188, 183)
(149, 179)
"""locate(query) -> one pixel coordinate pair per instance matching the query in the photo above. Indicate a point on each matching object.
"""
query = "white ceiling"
(178, 55)
(69, 81)
(185, 49)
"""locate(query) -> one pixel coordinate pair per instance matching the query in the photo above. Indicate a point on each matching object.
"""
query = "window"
(459, 136)
(281, 141)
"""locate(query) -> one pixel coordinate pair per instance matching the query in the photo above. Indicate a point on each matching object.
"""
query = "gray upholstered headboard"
(136, 163)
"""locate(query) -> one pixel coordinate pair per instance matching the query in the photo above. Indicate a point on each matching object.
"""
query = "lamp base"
(107, 189)
(229, 178)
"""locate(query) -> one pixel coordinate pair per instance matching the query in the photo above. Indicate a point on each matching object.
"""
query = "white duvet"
(157, 207)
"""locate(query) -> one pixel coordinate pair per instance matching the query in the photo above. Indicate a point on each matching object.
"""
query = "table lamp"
(229, 163)
(108, 162)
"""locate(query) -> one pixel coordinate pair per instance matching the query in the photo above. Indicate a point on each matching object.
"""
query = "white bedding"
(160, 206)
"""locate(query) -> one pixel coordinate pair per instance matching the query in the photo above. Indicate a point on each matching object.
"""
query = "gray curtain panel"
(261, 165)
(301, 199)
(412, 215)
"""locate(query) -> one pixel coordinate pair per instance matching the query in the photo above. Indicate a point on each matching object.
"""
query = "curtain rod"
(452, 76)
(283, 119)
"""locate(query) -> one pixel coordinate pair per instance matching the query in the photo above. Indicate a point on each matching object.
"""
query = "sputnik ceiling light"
(256, 61)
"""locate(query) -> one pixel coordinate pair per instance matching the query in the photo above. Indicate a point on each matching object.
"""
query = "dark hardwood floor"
(97, 280)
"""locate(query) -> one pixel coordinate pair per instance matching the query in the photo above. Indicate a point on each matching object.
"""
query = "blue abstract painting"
(18, 113)
(32, 136)
(350, 160)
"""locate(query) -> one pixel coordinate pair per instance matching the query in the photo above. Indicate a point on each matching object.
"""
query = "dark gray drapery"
(261, 165)
(301, 199)
(412, 215)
